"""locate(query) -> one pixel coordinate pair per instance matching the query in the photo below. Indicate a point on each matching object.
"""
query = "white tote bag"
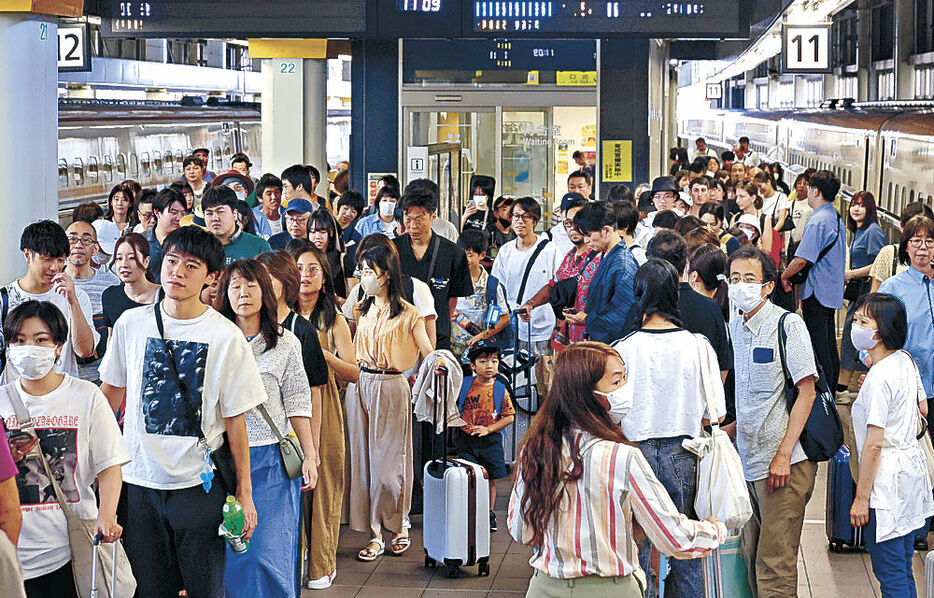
(721, 486)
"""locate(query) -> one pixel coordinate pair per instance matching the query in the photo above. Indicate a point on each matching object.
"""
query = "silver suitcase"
(929, 575)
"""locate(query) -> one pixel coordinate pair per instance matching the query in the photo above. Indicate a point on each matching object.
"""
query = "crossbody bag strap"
(836, 238)
(705, 380)
(435, 246)
(262, 409)
(160, 326)
(26, 425)
(528, 269)
(782, 340)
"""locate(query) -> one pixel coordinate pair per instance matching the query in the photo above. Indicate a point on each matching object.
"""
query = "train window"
(157, 162)
(147, 164)
(108, 169)
(134, 166)
(218, 159)
(62, 174)
(93, 171)
(228, 154)
(179, 158)
(121, 167)
(77, 168)
(169, 165)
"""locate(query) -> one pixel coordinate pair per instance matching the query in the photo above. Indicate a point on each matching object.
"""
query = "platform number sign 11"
(73, 48)
(806, 49)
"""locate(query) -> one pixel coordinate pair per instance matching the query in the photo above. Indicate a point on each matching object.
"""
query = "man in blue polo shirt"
(823, 248)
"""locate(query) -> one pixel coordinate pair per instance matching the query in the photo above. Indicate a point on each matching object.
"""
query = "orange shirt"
(479, 407)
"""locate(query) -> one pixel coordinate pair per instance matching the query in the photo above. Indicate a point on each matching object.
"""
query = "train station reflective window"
(134, 166)
(121, 166)
(78, 171)
(157, 162)
(218, 159)
(169, 164)
(93, 170)
(62, 173)
(108, 169)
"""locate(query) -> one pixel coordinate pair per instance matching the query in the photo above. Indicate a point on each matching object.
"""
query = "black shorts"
(486, 451)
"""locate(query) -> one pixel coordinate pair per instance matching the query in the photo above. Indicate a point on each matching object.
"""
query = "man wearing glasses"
(823, 251)
(82, 239)
(296, 219)
(45, 248)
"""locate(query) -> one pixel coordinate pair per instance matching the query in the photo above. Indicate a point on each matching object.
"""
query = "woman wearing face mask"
(478, 213)
(81, 444)
(579, 483)
(382, 220)
(500, 227)
(666, 366)
(390, 337)
(893, 498)
(245, 297)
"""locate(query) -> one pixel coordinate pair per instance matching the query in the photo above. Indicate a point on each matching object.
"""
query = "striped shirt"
(592, 532)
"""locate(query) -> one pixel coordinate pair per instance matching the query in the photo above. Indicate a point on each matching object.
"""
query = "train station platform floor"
(821, 573)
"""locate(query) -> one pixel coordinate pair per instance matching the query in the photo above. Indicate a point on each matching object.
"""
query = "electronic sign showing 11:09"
(426, 6)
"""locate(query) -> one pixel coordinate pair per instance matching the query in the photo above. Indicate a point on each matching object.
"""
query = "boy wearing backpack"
(486, 409)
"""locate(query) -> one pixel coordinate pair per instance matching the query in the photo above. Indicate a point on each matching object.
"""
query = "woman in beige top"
(390, 336)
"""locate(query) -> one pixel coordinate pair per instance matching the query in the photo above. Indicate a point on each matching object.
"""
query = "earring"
(58, 360)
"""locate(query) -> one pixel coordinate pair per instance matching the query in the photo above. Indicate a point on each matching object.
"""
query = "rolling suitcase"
(456, 502)
(929, 575)
(840, 492)
(94, 561)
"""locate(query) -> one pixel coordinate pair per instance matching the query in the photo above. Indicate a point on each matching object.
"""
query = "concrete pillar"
(294, 114)
(904, 45)
(374, 124)
(866, 82)
(315, 116)
(28, 126)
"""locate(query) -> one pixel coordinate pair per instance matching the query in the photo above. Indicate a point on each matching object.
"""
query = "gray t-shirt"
(761, 410)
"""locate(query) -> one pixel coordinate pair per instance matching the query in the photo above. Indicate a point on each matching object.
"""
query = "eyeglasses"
(86, 241)
(918, 242)
(569, 224)
(750, 279)
(524, 217)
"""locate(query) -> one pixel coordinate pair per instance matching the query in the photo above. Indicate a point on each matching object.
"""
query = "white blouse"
(888, 399)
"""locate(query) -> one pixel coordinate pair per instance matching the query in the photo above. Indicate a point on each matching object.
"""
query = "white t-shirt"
(773, 206)
(665, 368)
(424, 301)
(800, 212)
(509, 268)
(161, 429)
(901, 491)
(69, 362)
(80, 438)
(275, 226)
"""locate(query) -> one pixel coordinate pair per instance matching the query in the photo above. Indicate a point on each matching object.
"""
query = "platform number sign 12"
(73, 48)
(806, 49)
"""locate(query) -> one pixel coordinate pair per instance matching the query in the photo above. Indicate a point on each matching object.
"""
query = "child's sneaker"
(493, 524)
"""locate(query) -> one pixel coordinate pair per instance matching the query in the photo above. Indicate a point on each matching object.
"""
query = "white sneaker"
(322, 583)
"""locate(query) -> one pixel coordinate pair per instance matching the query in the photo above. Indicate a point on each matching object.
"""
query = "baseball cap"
(478, 347)
(568, 198)
(300, 205)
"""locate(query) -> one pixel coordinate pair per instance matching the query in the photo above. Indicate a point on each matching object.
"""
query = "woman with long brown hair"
(577, 515)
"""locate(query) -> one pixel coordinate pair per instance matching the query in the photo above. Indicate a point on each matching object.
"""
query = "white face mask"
(862, 337)
(370, 285)
(620, 402)
(241, 195)
(751, 235)
(33, 361)
(746, 296)
(387, 208)
(479, 201)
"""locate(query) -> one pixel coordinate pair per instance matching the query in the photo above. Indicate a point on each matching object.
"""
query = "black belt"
(370, 370)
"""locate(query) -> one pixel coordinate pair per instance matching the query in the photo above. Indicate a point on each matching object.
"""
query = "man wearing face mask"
(478, 214)
(779, 476)
(610, 297)
(46, 247)
(220, 216)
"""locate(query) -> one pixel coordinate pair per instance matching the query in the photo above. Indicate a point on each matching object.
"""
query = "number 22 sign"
(806, 49)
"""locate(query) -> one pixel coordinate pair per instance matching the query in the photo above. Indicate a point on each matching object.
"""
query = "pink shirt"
(8, 468)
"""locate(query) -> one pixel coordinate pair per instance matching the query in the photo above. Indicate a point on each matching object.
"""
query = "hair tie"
(721, 277)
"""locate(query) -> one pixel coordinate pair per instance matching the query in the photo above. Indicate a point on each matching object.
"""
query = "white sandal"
(368, 554)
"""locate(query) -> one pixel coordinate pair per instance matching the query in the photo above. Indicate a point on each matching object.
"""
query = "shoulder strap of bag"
(435, 246)
(173, 368)
(705, 381)
(465, 388)
(262, 410)
(528, 269)
(894, 259)
(26, 425)
(499, 396)
(492, 284)
(836, 238)
(782, 341)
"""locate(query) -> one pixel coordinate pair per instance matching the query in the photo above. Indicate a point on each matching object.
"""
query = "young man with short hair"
(82, 239)
(144, 211)
(297, 184)
(700, 148)
(169, 209)
(46, 247)
(823, 248)
(220, 218)
(194, 170)
(700, 194)
(611, 295)
(189, 376)
(269, 215)
(296, 219)
(778, 473)
(204, 154)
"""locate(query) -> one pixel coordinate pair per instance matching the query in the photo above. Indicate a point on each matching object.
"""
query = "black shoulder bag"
(822, 436)
(225, 468)
(802, 274)
(564, 292)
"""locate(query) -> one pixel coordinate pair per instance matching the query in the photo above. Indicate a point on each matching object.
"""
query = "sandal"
(368, 554)
(400, 545)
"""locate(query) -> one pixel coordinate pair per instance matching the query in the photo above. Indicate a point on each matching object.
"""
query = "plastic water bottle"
(232, 528)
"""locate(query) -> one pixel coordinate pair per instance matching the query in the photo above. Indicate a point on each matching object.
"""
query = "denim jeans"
(676, 469)
(891, 561)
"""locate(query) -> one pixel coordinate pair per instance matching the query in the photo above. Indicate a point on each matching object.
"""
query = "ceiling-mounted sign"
(714, 91)
(73, 52)
(806, 49)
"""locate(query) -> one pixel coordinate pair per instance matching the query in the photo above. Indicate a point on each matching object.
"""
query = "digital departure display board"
(592, 18)
(237, 18)
(418, 5)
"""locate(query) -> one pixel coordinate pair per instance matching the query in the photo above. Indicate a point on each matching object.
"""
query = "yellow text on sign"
(588, 78)
(616, 161)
